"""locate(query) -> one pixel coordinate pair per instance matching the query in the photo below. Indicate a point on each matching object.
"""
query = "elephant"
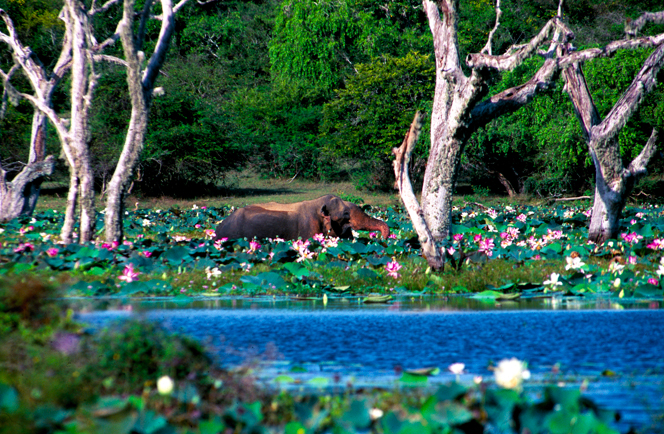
(359, 220)
(327, 215)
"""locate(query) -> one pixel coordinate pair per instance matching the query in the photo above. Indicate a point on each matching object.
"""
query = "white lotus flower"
(573, 263)
(510, 373)
(456, 368)
(553, 280)
(165, 385)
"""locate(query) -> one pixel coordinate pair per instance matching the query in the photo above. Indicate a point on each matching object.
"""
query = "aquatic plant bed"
(501, 258)
(495, 252)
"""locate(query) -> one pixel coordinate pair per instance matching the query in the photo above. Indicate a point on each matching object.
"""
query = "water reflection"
(400, 303)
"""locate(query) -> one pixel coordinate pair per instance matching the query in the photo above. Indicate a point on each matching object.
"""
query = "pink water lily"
(253, 246)
(52, 252)
(393, 268)
(24, 247)
(129, 274)
(486, 246)
(653, 281)
(457, 237)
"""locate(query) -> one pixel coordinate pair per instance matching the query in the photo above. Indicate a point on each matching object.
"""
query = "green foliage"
(373, 112)
(279, 127)
(140, 350)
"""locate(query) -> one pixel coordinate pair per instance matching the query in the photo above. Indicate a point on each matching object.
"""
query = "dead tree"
(141, 78)
(19, 196)
(613, 181)
(462, 105)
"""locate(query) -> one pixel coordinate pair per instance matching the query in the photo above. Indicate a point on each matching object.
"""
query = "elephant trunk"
(360, 221)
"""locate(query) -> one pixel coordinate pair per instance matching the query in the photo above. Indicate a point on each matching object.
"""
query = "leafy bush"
(138, 351)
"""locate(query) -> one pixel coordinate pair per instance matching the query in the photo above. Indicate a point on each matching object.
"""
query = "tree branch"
(610, 49)
(93, 10)
(109, 59)
(643, 83)
(510, 100)
(515, 55)
(157, 58)
(633, 27)
(401, 163)
(638, 166)
(487, 47)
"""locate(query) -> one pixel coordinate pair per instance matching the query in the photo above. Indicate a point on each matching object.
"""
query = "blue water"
(365, 344)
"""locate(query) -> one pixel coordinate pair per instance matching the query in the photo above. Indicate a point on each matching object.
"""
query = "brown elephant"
(327, 214)
(359, 220)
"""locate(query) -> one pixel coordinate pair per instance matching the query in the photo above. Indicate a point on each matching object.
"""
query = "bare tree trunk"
(141, 85)
(13, 198)
(83, 83)
(458, 109)
(613, 181)
(67, 231)
(429, 249)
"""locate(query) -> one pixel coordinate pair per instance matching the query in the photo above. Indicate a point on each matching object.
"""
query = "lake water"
(617, 348)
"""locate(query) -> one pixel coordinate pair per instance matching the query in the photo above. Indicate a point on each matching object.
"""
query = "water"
(366, 344)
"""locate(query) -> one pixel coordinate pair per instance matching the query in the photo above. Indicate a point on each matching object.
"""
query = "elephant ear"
(324, 211)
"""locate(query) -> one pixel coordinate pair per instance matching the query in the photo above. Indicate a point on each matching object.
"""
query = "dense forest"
(326, 89)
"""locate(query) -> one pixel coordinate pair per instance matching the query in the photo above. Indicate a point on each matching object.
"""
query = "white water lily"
(165, 385)
(510, 373)
(375, 413)
(553, 280)
(456, 368)
(573, 263)
(616, 268)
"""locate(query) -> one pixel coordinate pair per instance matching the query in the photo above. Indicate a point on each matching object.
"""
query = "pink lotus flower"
(253, 246)
(319, 237)
(486, 246)
(521, 217)
(52, 252)
(372, 235)
(631, 260)
(393, 268)
(25, 230)
(457, 237)
(393, 236)
(653, 281)
(129, 274)
(24, 247)
(632, 238)
(657, 244)
(147, 253)
(477, 238)
(209, 233)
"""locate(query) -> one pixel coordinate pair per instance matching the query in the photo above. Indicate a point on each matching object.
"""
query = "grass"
(248, 188)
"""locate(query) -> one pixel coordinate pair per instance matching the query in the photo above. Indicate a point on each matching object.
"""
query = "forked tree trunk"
(458, 109)
(19, 197)
(613, 182)
(140, 82)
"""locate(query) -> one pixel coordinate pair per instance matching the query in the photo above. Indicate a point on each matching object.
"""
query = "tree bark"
(141, 85)
(430, 251)
(15, 196)
(613, 181)
(458, 109)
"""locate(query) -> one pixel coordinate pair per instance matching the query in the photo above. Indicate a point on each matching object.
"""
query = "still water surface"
(363, 344)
